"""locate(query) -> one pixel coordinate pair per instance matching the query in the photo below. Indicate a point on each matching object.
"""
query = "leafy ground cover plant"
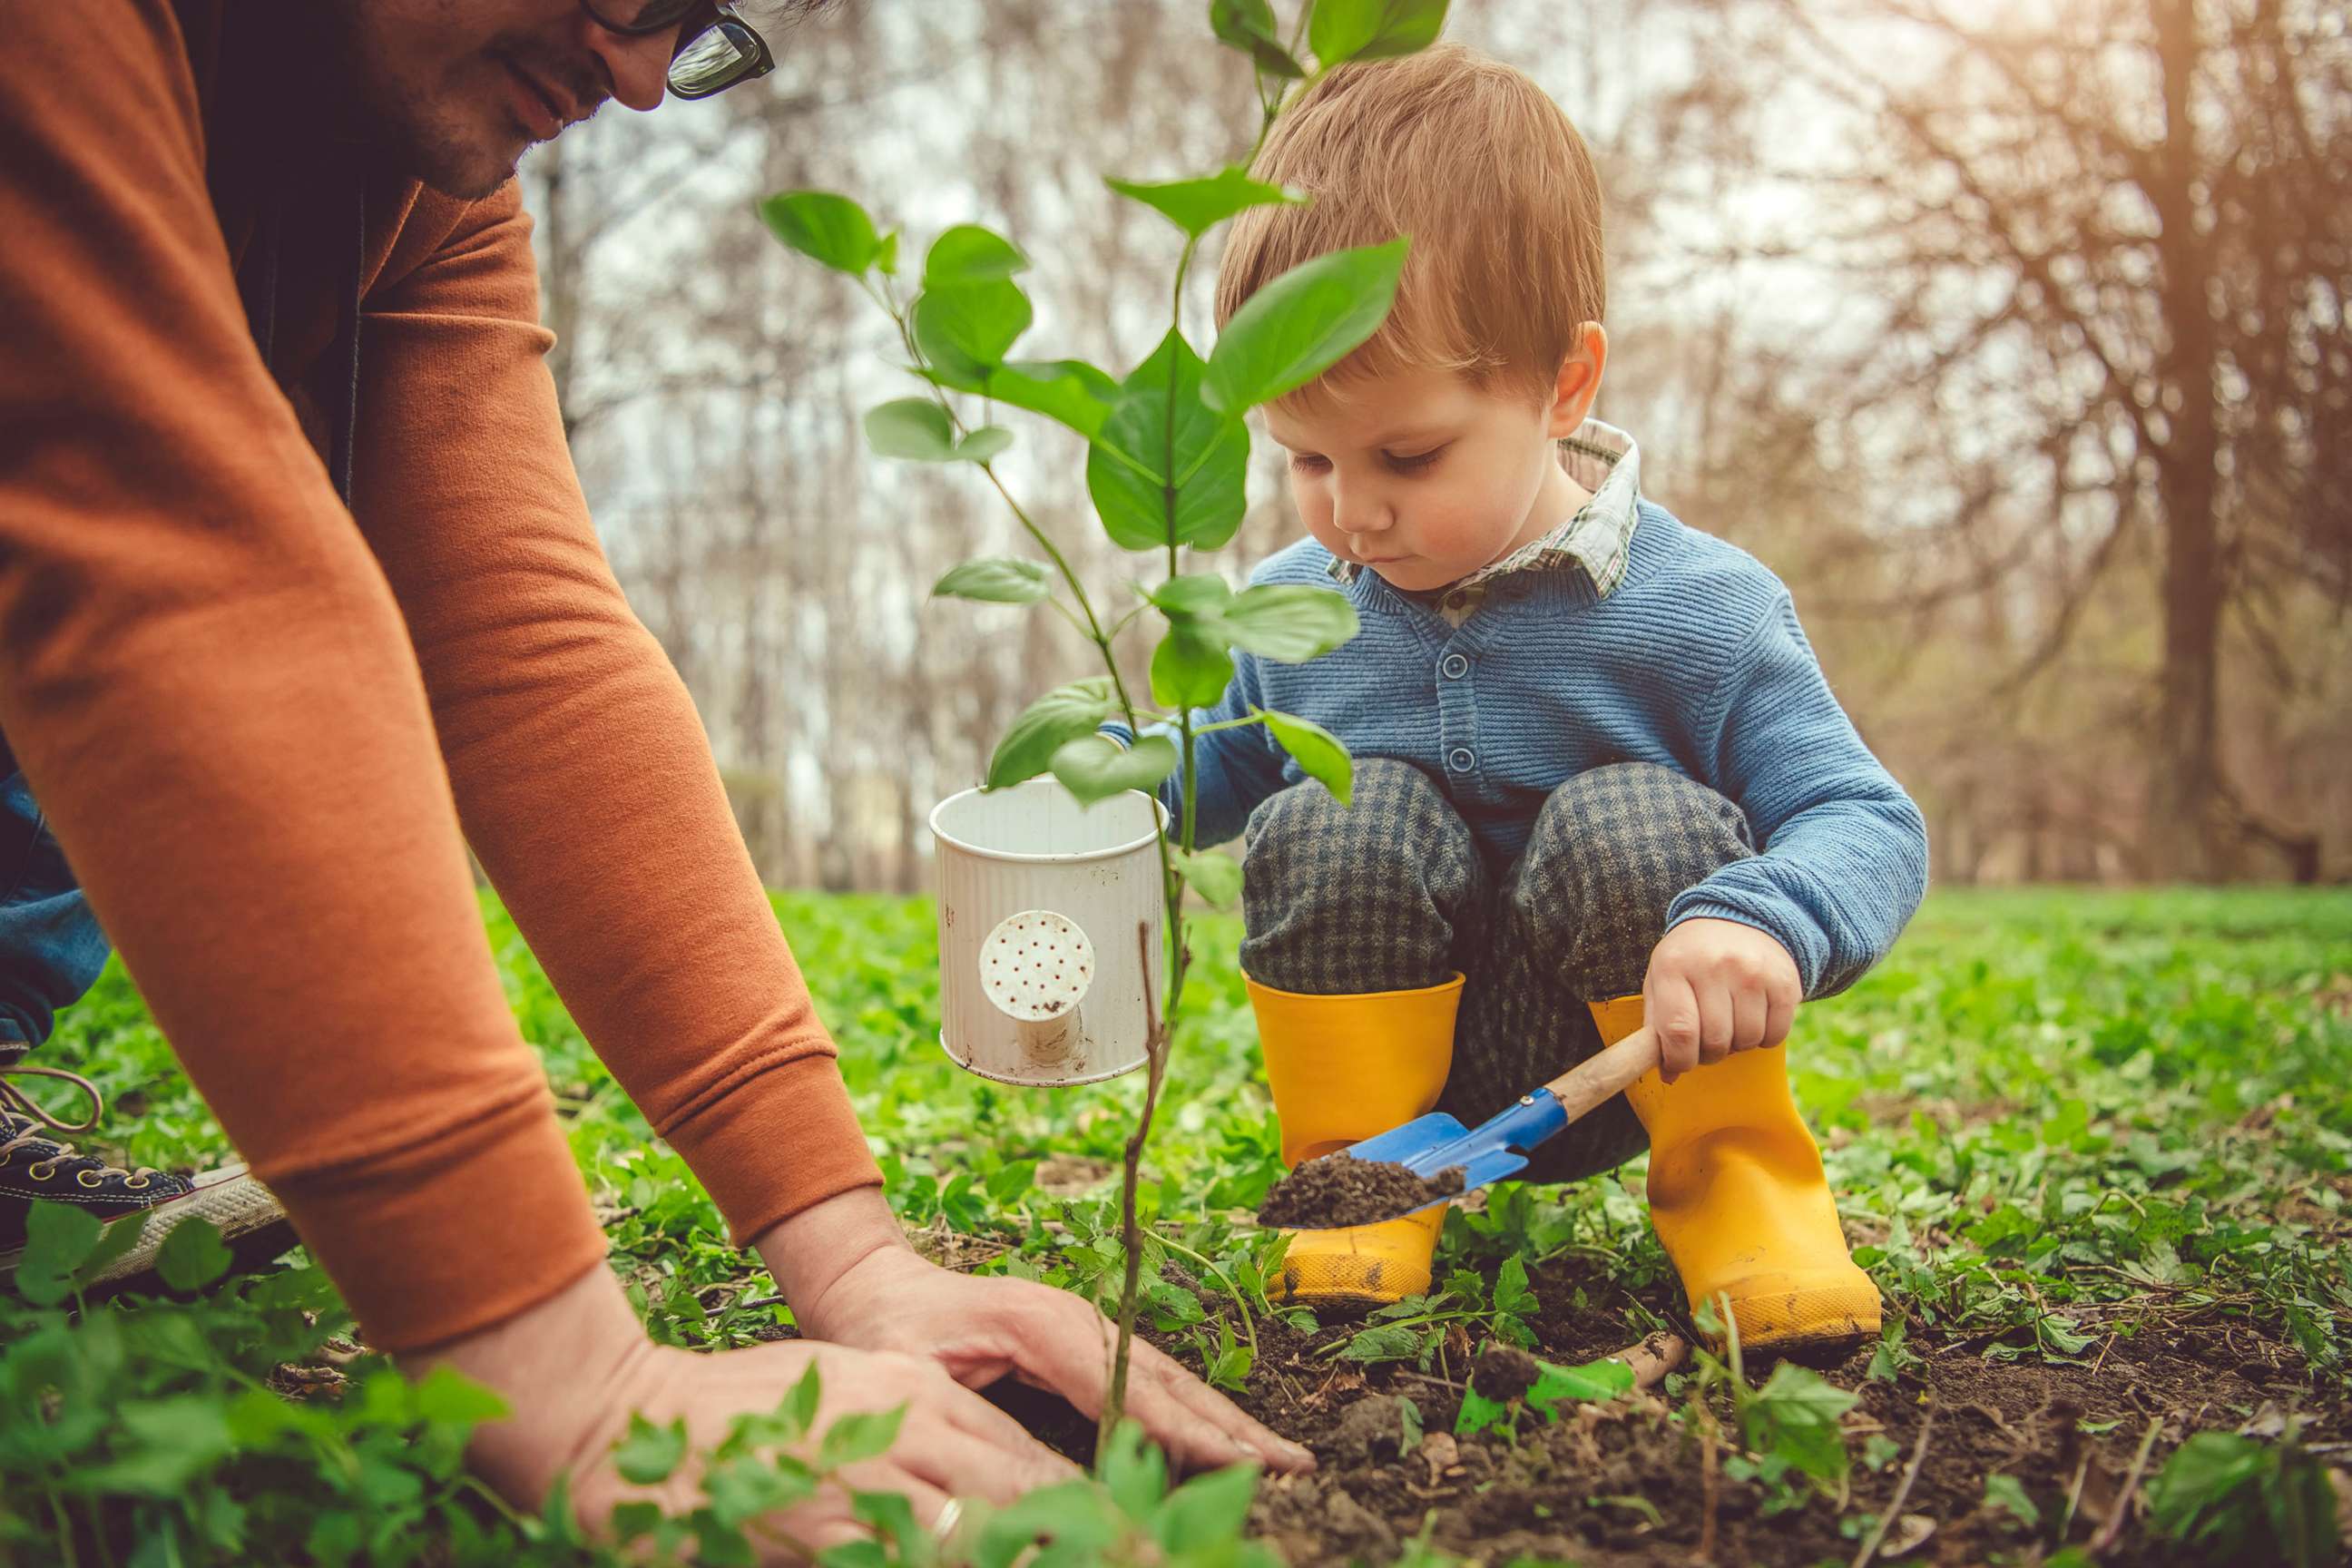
(1167, 456)
(2126, 1068)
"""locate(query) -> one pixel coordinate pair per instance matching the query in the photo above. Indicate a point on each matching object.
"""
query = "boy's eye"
(1399, 462)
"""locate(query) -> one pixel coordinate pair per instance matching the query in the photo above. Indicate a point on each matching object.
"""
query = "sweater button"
(1455, 667)
(1461, 759)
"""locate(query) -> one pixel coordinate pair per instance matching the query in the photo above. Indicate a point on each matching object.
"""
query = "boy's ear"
(1579, 382)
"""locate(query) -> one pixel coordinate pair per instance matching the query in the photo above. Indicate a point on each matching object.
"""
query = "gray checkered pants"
(1393, 893)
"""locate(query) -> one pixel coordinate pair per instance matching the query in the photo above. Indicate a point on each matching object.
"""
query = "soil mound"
(1340, 1190)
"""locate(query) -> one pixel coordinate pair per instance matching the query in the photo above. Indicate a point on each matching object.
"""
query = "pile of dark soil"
(1341, 1190)
(1633, 1484)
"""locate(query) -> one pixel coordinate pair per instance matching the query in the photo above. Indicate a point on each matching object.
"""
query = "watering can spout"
(1036, 968)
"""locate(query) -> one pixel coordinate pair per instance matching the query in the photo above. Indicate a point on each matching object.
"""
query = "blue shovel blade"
(1494, 1149)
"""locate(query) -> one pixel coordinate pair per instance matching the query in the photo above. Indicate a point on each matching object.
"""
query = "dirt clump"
(1341, 1190)
(1502, 1373)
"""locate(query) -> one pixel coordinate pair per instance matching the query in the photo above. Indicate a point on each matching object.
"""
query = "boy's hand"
(1716, 987)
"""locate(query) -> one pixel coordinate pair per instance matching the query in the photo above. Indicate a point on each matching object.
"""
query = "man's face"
(1423, 477)
(457, 89)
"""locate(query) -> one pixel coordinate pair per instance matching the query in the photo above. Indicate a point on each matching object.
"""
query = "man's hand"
(1716, 987)
(574, 1367)
(851, 1279)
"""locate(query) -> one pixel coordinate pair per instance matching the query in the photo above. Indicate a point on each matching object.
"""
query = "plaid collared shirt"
(1596, 539)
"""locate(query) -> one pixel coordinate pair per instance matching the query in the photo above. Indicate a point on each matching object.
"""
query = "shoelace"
(16, 1104)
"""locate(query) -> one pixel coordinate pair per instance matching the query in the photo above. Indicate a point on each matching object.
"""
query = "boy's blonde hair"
(1484, 171)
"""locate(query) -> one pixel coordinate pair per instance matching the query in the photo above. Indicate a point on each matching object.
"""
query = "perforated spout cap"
(1036, 965)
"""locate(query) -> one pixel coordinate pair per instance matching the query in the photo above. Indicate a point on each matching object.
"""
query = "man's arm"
(205, 679)
(588, 789)
(581, 769)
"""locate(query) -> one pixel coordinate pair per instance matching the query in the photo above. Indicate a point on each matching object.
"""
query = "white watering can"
(1041, 976)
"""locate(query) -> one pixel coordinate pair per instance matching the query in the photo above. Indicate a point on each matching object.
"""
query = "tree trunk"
(2185, 784)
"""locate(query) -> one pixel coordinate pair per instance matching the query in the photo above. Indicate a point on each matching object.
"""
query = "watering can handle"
(1606, 1073)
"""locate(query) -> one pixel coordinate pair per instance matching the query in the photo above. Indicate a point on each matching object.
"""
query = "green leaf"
(1383, 1342)
(862, 1435)
(1372, 29)
(983, 445)
(911, 428)
(58, 1238)
(1216, 877)
(120, 1237)
(1318, 752)
(1096, 767)
(449, 1397)
(161, 1446)
(1188, 671)
(1059, 717)
(1408, 1424)
(1593, 1382)
(1248, 26)
(649, 1453)
(1192, 593)
(1511, 1292)
(1480, 1414)
(1289, 621)
(1070, 391)
(917, 429)
(971, 254)
(1301, 324)
(1134, 1471)
(2009, 1492)
(1010, 1183)
(968, 328)
(1129, 465)
(192, 1256)
(799, 1408)
(825, 227)
(1205, 1512)
(1076, 1514)
(893, 1519)
(1795, 1415)
(1198, 205)
(996, 580)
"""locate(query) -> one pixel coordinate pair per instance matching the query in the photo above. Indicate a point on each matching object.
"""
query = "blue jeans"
(51, 948)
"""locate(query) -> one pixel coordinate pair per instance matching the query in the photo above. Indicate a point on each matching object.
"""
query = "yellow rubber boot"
(1343, 1068)
(1738, 1198)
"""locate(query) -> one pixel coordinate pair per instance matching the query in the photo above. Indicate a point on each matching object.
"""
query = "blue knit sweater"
(1694, 660)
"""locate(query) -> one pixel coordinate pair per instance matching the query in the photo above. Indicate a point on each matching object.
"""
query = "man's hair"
(1485, 171)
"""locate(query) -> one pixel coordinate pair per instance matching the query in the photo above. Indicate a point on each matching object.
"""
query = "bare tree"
(2092, 261)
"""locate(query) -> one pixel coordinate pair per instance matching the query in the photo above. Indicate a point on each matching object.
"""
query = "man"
(295, 578)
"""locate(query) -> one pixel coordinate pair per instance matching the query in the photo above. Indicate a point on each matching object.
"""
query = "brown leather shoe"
(35, 1165)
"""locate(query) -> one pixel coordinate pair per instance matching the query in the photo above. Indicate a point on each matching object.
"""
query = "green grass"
(2053, 1117)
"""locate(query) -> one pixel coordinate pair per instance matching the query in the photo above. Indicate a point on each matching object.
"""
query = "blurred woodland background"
(2012, 335)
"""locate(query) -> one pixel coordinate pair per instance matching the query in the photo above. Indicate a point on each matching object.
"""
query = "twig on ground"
(2113, 1528)
(1713, 1489)
(1653, 1358)
(2001, 1423)
(1894, 1510)
(2074, 1494)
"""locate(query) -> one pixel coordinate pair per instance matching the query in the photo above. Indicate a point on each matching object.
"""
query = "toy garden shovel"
(1500, 1144)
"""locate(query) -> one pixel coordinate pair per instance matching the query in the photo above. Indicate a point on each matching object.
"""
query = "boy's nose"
(1359, 511)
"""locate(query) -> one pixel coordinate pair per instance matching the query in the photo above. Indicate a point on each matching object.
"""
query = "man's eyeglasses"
(715, 47)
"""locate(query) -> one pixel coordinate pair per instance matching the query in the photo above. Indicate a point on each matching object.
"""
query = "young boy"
(1599, 773)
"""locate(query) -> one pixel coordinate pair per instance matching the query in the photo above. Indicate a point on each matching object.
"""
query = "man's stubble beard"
(396, 120)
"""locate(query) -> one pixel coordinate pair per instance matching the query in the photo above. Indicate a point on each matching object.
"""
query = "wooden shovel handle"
(1598, 1077)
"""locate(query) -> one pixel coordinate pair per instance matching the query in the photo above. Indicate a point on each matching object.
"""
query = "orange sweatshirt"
(258, 724)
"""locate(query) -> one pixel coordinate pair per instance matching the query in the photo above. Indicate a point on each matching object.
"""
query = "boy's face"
(1425, 477)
